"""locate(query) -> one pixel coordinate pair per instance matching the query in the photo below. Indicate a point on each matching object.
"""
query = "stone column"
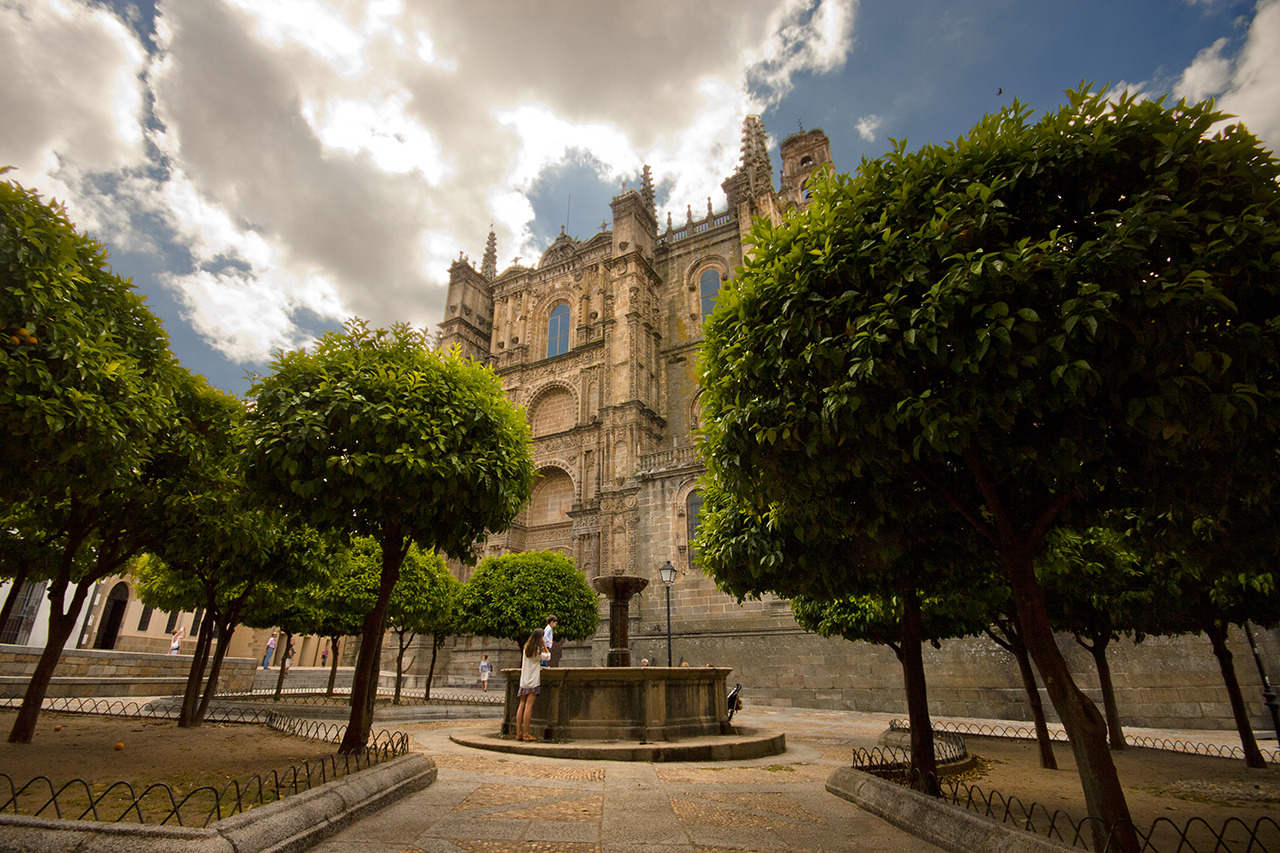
(619, 588)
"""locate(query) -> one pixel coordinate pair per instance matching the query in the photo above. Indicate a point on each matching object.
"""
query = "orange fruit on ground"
(57, 728)
(119, 747)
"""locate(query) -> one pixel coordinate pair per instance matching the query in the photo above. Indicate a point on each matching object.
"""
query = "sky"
(264, 169)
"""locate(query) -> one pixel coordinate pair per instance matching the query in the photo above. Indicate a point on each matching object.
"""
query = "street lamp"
(668, 574)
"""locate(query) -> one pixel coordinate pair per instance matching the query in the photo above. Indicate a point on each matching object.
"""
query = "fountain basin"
(644, 704)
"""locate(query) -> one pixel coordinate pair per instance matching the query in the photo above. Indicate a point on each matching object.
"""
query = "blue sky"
(263, 169)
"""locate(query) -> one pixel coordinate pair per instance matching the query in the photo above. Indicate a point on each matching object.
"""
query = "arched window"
(693, 509)
(558, 331)
(709, 289)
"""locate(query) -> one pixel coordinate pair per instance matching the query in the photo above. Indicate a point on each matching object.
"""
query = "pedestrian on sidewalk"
(485, 669)
(548, 642)
(324, 656)
(271, 650)
(530, 683)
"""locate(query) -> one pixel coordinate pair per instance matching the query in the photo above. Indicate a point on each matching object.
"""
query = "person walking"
(175, 644)
(324, 656)
(485, 669)
(271, 650)
(530, 684)
(548, 641)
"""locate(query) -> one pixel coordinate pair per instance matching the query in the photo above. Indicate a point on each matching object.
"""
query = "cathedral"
(599, 342)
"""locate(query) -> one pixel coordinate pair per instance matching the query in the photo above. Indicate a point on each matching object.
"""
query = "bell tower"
(802, 153)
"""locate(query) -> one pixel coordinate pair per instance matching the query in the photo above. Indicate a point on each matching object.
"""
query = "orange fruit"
(119, 747)
(13, 339)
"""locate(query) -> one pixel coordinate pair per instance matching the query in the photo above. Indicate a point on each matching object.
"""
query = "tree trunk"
(431, 671)
(195, 676)
(1218, 636)
(1086, 728)
(284, 656)
(402, 646)
(11, 600)
(364, 682)
(924, 762)
(224, 641)
(1015, 646)
(333, 666)
(1115, 734)
(61, 626)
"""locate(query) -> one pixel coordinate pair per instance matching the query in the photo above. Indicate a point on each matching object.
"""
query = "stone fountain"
(620, 702)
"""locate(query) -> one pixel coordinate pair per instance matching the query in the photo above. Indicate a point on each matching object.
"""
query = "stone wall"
(1163, 682)
(88, 672)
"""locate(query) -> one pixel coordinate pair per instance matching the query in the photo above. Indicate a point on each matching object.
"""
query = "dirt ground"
(82, 746)
(1158, 784)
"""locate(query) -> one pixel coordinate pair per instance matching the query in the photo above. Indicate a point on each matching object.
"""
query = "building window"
(693, 509)
(558, 331)
(172, 623)
(145, 621)
(709, 288)
(18, 629)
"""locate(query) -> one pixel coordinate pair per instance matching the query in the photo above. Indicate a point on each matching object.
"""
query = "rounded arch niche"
(552, 498)
(554, 410)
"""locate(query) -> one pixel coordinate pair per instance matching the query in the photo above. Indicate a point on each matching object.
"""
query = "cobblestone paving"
(484, 803)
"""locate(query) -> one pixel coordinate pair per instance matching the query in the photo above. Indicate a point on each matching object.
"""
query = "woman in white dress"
(530, 683)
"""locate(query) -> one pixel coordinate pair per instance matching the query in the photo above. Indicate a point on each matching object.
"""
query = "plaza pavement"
(487, 802)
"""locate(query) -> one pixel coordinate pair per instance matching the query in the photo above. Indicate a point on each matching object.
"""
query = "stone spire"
(646, 191)
(489, 266)
(755, 145)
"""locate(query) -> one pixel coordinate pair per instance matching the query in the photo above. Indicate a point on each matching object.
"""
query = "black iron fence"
(1272, 756)
(1164, 835)
(320, 696)
(162, 804)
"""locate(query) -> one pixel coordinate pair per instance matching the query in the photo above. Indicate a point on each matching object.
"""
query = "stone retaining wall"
(90, 672)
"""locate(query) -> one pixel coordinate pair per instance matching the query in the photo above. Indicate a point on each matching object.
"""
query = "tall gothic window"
(709, 288)
(558, 331)
(692, 511)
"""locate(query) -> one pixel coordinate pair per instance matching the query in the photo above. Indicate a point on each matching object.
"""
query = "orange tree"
(370, 433)
(1020, 329)
(104, 433)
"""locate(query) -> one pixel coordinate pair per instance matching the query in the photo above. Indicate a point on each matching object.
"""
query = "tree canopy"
(1036, 323)
(370, 433)
(512, 595)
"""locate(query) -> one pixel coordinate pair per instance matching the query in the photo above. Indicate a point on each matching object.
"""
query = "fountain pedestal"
(645, 704)
(619, 588)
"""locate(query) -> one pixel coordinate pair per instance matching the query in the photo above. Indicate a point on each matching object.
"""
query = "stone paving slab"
(485, 802)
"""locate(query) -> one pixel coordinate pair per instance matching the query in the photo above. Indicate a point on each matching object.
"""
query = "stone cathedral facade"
(599, 341)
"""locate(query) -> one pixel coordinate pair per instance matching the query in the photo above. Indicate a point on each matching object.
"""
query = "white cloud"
(868, 125)
(314, 26)
(1207, 75)
(804, 35)
(318, 159)
(70, 97)
(381, 129)
(1254, 91)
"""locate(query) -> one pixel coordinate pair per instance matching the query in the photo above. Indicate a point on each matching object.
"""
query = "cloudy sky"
(263, 169)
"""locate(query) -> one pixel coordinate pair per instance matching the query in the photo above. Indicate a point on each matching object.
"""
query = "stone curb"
(933, 820)
(746, 745)
(291, 825)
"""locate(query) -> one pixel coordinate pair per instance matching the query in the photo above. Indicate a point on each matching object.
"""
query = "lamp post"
(668, 574)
